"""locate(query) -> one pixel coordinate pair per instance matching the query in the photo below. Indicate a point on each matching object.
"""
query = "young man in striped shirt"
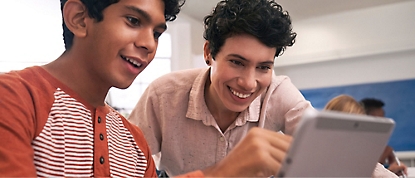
(54, 121)
(53, 118)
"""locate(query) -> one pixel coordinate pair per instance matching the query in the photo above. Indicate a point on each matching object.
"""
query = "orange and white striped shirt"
(47, 130)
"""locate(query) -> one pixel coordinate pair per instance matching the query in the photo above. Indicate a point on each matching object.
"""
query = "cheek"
(122, 38)
(265, 81)
(224, 76)
(218, 78)
(116, 34)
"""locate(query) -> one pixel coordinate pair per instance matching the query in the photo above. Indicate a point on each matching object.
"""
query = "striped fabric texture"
(65, 146)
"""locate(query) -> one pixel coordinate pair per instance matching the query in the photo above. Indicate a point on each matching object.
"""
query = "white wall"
(368, 45)
(357, 70)
(31, 33)
(187, 43)
(363, 46)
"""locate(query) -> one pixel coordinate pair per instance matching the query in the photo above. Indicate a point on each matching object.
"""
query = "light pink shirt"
(175, 120)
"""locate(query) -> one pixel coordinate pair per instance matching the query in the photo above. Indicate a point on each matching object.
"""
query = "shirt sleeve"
(151, 168)
(381, 171)
(146, 115)
(289, 101)
(17, 129)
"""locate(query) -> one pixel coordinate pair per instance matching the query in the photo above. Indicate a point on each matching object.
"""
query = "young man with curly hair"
(54, 121)
(195, 118)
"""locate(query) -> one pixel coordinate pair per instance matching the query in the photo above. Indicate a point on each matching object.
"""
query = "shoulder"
(32, 83)
(26, 96)
(27, 77)
(281, 88)
(22, 81)
(278, 80)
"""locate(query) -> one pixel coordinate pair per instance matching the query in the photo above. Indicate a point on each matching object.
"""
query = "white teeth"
(240, 95)
(133, 61)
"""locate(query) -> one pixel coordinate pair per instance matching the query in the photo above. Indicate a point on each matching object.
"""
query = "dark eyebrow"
(242, 58)
(268, 62)
(146, 16)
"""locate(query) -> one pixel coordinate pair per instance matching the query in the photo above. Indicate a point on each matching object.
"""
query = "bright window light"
(31, 33)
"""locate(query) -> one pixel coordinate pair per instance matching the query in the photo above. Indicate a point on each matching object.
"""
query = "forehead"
(155, 8)
(247, 46)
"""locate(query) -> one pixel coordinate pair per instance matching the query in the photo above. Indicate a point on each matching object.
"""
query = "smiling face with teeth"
(125, 41)
(240, 72)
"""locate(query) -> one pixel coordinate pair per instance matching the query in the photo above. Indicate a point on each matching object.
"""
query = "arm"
(16, 129)
(388, 153)
(260, 153)
(286, 102)
(146, 116)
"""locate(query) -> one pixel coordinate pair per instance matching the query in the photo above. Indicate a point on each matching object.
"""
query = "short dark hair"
(263, 19)
(371, 103)
(95, 8)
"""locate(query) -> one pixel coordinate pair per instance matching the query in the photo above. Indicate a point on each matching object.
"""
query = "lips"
(133, 62)
(240, 95)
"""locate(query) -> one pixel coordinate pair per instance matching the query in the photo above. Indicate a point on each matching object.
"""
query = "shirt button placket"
(221, 148)
(101, 137)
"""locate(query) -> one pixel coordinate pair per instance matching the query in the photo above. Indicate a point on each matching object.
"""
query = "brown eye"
(236, 62)
(264, 67)
(133, 21)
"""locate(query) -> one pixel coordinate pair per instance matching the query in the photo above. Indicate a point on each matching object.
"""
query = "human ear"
(74, 16)
(206, 53)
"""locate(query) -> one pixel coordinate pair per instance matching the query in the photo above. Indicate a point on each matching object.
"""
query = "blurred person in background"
(374, 107)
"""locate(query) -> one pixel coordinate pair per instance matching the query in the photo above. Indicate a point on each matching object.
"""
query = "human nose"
(145, 40)
(248, 80)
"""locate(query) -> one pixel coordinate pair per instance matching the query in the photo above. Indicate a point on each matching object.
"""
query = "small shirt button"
(99, 119)
(101, 160)
(222, 139)
(101, 136)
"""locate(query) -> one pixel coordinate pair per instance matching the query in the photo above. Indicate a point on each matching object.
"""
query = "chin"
(238, 108)
(123, 85)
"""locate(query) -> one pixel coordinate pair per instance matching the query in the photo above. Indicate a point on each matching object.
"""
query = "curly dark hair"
(263, 19)
(95, 8)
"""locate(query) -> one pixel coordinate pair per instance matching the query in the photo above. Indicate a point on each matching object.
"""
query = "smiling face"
(124, 42)
(240, 72)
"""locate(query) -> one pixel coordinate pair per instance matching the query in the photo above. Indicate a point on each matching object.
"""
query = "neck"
(75, 75)
(223, 116)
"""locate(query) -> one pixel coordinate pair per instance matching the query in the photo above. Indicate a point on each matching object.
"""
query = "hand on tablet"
(398, 169)
(259, 154)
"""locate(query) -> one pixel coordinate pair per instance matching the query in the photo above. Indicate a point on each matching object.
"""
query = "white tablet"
(334, 144)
